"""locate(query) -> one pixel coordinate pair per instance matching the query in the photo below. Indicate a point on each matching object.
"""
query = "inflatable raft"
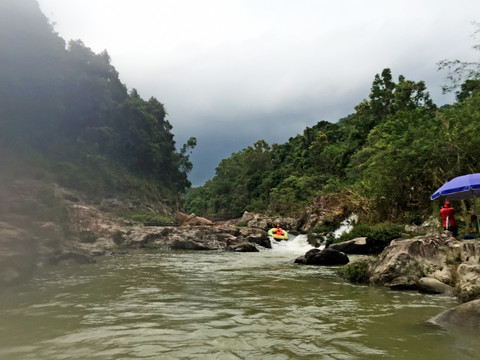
(272, 233)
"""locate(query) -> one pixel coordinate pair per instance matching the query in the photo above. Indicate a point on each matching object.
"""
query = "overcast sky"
(230, 72)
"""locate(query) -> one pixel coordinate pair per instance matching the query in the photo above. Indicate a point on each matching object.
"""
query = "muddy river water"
(219, 305)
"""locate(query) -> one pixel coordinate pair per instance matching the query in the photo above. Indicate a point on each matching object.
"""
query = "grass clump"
(355, 272)
(149, 219)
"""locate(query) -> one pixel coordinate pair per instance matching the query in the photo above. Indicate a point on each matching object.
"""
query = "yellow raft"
(284, 235)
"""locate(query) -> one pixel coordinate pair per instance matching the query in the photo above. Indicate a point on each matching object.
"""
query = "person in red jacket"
(278, 230)
(448, 217)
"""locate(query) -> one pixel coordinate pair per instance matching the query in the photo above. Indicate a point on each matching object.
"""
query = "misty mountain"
(65, 109)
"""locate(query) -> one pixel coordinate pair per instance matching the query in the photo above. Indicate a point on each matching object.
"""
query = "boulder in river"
(433, 286)
(464, 317)
(354, 246)
(323, 257)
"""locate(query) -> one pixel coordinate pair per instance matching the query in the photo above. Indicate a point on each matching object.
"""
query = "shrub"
(356, 272)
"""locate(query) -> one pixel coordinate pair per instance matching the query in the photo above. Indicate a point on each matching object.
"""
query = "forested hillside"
(64, 110)
(386, 158)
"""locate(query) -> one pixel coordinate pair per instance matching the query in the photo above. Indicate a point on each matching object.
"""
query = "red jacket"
(450, 213)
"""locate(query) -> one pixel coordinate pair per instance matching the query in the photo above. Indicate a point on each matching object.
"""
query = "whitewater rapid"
(295, 245)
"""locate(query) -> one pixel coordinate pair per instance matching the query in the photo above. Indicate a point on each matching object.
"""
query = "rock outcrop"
(43, 224)
(407, 264)
(333, 208)
(260, 221)
(227, 238)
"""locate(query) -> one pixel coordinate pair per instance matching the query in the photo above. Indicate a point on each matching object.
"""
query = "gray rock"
(464, 317)
(264, 222)
(433, 286)
(354, 246)
(328, 257)
(245, 247)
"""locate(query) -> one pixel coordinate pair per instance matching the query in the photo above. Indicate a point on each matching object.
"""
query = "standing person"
(448, 216)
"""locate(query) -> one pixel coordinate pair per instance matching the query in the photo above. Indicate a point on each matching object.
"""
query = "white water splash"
(295, 245)
(345, 226)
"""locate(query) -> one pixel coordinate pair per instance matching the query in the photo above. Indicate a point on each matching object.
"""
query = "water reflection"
(214, 305)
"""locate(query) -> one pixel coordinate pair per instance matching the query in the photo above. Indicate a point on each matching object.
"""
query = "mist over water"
(218, 305)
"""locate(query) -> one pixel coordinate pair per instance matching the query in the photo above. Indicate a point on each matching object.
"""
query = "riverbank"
(44, 224)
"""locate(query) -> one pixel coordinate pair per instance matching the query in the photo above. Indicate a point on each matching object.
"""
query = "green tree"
(459, 72)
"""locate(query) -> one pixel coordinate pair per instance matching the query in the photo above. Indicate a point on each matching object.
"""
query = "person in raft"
(278, 230)
(448, 216)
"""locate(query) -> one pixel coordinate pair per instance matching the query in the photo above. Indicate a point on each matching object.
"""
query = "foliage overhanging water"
(218, 305)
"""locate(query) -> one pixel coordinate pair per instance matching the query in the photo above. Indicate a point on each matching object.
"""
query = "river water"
(219, 305)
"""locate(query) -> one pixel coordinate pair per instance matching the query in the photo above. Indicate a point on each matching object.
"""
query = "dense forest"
(63, 109)
(385, 159)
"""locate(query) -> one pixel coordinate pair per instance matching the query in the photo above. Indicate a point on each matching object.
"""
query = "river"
(219, 305)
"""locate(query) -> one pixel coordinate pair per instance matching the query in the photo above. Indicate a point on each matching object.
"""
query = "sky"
(231, 72)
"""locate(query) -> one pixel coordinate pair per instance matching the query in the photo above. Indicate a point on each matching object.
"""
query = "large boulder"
(192, 220)
(464, 317)
(255, 236)
(245, 247)
(328, 257)
(433, 286)
(354, 246)
(428, 226)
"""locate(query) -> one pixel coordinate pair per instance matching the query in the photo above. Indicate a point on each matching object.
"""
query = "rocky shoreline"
(66, 229)
(432, 263)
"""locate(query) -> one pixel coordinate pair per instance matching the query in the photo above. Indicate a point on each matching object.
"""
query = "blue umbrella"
(460, 188)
